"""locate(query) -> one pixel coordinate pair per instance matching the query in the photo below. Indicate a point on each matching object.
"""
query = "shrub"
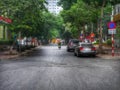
(109, 42)
(96, 42)
(6, 42)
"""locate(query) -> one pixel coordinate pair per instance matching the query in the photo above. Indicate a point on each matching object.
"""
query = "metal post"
(112, 37)
(112, 44)
(19, 41)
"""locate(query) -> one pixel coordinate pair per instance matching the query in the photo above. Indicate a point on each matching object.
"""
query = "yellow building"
(4, 32)
(116, 17)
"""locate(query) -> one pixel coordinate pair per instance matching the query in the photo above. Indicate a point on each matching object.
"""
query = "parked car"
(85, 49)
(72, 44)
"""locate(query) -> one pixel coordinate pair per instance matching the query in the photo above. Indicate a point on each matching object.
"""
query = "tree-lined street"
(31, 35)
(48, 68)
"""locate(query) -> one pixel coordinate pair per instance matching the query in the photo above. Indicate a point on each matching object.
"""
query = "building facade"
(116, 17)
(4, 32)
(53, 7)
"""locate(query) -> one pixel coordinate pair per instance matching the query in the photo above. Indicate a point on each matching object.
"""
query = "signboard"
(111, 25)
(111, 31)
(5, 20)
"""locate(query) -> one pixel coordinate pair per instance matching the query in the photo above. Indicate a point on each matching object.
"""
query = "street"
(48, 68)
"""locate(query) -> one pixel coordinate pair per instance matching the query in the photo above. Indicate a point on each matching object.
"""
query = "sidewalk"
(108, 56)
(7, 55)
(108, 53)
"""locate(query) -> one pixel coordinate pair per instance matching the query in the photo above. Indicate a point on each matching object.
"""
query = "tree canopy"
(31, 18)
(66, 4)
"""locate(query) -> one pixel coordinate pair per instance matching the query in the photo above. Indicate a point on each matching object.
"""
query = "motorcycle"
(59, 45)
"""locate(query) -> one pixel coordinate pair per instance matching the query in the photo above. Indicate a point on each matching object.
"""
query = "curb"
(7, 57)
(26, 51)
(105, 56)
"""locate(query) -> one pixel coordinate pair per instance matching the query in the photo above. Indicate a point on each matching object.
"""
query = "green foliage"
(52, 26)
(66, 4)
(53, 33)
(74, 32)
(99, 3)
(30, 17)
(109, 42)
(96, 42)
(26, 15)
(117, 35)
(78, 15)
(6, 42)
(67, 35)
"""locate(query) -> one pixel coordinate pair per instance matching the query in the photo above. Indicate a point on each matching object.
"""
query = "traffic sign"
(111, 25)
(111, 31)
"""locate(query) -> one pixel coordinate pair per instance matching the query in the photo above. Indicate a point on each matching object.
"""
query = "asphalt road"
(48, 68)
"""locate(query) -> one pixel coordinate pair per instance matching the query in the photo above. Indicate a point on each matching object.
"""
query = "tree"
(25, 18)
(32, 19)
(101, 4)
(78, 15)
(53, 26)
(66, 4)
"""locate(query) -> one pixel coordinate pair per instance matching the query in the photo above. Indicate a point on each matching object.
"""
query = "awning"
(5, 20)
(116, 18)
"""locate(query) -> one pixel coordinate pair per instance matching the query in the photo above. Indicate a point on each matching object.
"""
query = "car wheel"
(77, 54)
(94, 55)
(74, 54)
(68, 50)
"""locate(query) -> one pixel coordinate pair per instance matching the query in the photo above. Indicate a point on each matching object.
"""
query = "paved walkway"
(108, 53)
(108, 56)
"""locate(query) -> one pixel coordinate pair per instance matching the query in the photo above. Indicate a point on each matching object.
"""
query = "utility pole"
(112, 36)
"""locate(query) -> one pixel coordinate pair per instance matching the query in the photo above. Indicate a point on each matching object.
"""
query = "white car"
(85, 49)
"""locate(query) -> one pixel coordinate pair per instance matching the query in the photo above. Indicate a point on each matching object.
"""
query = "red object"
(92, 35)
(87, 37)
(7, 20)
(1, 18)
(92, 39)
(113, 45)
(93, 48)
(81, 48)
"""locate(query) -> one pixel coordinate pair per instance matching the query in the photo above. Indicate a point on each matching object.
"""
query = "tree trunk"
(100, 34)
(79, 31)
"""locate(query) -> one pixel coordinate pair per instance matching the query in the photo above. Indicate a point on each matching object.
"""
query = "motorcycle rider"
(59, 45)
